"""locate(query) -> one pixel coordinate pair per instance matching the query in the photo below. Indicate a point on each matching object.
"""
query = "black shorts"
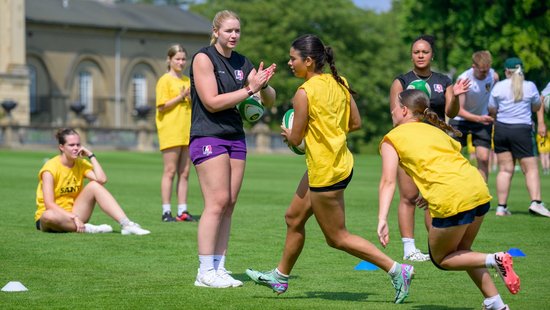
(334, 187)
(481, 133)
(38, 224)
(461, 218)
(519, 139)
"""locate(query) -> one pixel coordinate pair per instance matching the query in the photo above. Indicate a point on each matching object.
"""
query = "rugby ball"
(251, 109)
(288, 119)
(420, 85)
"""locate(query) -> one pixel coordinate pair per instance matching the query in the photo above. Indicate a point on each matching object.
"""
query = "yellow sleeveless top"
(328, 158)
(445, 178)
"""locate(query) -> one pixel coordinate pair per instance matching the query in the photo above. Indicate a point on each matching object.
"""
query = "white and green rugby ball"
(421, 85)
(288, 119)
(251, 109)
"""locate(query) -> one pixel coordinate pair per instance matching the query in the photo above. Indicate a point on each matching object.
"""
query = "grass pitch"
(111, 271)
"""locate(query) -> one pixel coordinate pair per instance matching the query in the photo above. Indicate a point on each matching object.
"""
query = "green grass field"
(111, 271)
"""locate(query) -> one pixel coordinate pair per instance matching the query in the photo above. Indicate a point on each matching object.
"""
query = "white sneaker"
(224, 274)
(539, 209)
(134, 229)
(211, 279)
(417, 256)
(97, 229)
(502, 211)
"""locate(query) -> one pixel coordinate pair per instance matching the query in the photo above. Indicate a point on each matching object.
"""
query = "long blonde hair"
(516, 75)
(220, 17)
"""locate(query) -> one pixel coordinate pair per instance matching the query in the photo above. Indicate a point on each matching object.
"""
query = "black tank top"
(231, 75)
(438, 85)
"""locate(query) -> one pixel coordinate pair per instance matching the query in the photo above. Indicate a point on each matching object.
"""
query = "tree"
(504, 27)
(366, 49)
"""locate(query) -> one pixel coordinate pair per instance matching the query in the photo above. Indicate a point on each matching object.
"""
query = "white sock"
(280, 273)
(490, 261)
(206, 263)
(125, 221)
(182, 208)
(219, 262)
(408, 246)
(494, 302)
(166, 208)
(393, 270)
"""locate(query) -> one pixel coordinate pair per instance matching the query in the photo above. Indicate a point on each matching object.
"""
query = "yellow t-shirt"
(328, 158)
(173, 125)
(543, 143)
(67, 183)
(445, 178)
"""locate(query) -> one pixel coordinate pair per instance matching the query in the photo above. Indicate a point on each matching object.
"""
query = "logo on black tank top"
(438, 88)
(239, 75)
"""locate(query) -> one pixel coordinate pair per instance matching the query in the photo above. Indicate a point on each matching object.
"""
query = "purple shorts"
(205, 148)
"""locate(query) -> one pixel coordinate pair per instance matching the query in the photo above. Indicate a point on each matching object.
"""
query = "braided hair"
(418, 103)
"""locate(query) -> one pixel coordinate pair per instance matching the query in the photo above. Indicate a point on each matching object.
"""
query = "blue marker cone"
(364, 265)
(515, 252)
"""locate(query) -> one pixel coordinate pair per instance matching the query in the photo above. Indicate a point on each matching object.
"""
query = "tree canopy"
(372, 49)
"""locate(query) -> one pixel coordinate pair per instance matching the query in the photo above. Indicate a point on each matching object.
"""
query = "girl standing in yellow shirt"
(173, 119)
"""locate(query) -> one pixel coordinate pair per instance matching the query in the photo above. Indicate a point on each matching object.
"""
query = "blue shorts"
(334, 187)
(461, 218)
(205, 148)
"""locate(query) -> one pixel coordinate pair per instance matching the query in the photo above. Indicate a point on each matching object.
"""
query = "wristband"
(265, 86)
(249, 91)
(91, 156)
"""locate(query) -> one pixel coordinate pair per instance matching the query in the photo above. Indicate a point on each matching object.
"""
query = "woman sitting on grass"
(64, 204)
(454, 191)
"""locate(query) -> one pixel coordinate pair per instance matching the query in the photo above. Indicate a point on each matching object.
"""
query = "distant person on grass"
(473, 119)
(454, 191)
(445, 104)
(64, 203)
(173, 120)
(513, 102)
(221, 78)
(323, 125)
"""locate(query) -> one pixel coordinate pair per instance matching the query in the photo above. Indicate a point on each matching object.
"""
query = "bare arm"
(299, 125)
(207, 89)
(50, 204)
(97, 174)
(386, 189)
(485, 119)
(354, 117)
(170, 104)
(541, 126)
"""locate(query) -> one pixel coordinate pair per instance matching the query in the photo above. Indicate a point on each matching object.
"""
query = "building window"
(32, 90)
(139, 84)
(85, 88)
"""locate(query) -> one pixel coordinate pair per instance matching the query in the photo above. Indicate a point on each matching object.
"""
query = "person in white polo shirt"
(513, 102)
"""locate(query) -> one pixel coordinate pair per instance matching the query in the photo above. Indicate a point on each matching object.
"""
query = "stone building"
(97, 54)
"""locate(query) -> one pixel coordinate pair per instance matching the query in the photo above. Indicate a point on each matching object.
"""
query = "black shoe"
(167, 217)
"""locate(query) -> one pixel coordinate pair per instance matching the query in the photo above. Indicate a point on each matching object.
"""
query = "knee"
(337, 242)
(294, 221)
(47, 217)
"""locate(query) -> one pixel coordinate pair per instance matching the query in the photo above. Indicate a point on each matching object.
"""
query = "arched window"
(139, 90)
(86, 90)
